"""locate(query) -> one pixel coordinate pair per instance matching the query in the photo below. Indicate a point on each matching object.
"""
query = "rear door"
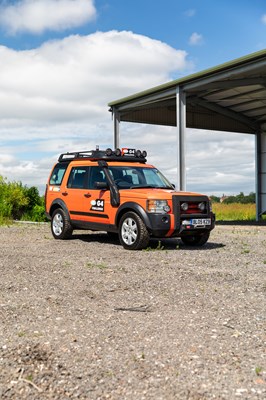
(75, 192)
(97, 201)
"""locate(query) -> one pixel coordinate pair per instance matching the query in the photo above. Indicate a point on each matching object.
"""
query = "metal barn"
(229, 97)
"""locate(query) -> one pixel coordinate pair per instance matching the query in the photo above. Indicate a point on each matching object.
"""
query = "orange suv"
(117, 192)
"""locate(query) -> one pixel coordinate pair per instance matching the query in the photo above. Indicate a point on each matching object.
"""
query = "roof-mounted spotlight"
(118, 152)
(138, 153)
(144, 153)
(108, 152)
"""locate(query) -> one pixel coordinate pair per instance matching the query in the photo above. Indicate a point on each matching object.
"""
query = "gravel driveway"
(86, 319)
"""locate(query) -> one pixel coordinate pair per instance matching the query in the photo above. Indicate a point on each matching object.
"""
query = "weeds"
(67, 264)
(158, 248)
(245, 251)
(258, 371)
(234, 212)
(101, 266)
(21, 334)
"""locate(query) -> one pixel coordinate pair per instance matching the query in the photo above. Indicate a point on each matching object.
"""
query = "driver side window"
(96, 175)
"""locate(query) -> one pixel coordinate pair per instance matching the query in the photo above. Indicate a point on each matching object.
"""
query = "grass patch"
(5, 221)
(258, 371)
(98, 266)
(234, 212)
(158, 248)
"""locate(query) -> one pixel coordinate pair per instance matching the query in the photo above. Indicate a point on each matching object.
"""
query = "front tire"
(60, 225)
(133, 234)
(195, 240)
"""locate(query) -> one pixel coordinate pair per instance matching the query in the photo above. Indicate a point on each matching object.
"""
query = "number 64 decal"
(97, 205)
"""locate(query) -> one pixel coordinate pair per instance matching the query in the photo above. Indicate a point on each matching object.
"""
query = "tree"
(18, 201)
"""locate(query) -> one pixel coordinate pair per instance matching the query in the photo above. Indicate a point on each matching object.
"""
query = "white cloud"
(195, 39)
(263, 18)
(37, 16)
(190, 13)
(54, 98)
(216, 162)
(73, 79)
(221, 161)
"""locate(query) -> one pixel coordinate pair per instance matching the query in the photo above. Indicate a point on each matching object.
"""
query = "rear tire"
(133, 234)
(60, 225)
(195, 240)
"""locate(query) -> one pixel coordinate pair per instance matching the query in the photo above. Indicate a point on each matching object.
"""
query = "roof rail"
(109, 155)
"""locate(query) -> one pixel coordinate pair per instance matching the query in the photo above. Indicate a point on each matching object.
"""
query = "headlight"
(158, 206)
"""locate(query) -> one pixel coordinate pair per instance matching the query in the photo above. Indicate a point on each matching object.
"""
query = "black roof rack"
(108, 155)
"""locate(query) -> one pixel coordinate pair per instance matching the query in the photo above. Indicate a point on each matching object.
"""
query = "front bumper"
(162, 225)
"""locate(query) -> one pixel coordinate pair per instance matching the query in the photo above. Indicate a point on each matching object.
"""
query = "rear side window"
(78, 178)
(58, 174)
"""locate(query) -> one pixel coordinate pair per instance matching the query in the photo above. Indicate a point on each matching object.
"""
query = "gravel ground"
(86, 319)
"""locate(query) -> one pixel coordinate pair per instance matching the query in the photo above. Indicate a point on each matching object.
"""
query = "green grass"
(258, 371)
(5, 220)
(101, 266)
(234, 212)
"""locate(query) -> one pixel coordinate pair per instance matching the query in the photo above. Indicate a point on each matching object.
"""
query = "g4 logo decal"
(97, 205)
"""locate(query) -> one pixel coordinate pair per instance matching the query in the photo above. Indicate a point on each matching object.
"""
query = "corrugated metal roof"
(228, 97)
(190, 78)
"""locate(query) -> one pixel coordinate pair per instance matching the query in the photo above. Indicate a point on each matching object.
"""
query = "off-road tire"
(60, 225)
(195, 240)
(133, 234)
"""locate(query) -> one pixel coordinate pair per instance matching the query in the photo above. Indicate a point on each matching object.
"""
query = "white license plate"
(197, 222)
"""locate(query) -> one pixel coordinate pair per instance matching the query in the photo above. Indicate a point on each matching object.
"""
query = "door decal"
(97, 205)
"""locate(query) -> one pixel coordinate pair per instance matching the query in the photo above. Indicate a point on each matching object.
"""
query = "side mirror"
(173, 185)
(101, 185)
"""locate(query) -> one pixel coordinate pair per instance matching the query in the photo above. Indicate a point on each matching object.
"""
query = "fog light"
(201, 206)
(184, 206)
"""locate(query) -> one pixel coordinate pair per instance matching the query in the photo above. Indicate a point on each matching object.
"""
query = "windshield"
(139, 177)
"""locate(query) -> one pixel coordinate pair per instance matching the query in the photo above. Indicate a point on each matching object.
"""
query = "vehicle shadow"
(154, 245)
(176, 244)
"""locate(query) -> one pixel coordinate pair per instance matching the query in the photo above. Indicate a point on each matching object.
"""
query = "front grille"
(193, 208)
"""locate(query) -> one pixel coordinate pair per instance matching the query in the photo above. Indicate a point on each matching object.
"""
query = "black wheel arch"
(131, 206)
(59, 203)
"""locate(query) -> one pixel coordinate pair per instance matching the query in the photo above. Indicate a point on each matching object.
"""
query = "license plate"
(197, 222)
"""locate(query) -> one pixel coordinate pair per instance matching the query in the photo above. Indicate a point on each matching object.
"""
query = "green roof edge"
(189, 78)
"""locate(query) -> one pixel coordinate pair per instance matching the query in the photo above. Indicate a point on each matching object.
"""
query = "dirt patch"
(86, 319)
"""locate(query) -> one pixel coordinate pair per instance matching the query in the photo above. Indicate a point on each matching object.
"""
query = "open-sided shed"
(229, 97)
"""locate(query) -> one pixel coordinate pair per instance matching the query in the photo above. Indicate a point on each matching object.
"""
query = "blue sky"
(62, 61)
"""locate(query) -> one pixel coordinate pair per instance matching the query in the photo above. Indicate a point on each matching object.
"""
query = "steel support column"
(116, 117)
(181, 127)
(260, 174)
